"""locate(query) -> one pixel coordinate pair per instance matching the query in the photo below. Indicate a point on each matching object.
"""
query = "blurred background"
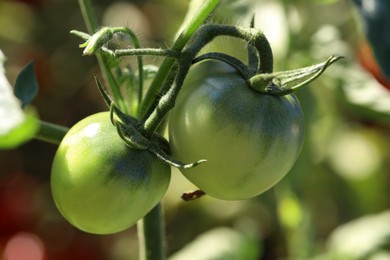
(335, 202)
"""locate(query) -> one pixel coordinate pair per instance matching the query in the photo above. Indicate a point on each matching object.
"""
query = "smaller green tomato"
(99, 184)
(250, 140)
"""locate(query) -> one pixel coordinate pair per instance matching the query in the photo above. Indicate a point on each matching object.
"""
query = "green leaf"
(26, 85)
(16, 126)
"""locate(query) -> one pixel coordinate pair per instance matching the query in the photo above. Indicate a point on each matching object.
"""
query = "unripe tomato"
(99, 184)
(250, 140)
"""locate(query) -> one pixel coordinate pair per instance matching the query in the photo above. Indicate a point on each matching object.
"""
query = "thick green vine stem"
(152, 225)
(196, 16)
(286, 82)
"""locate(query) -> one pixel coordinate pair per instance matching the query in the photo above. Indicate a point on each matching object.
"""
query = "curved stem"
(253, 37)
(205, 35)
(253, 59)
(237, 64)
(50, 133)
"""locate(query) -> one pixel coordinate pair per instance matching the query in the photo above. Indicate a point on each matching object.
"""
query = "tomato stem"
(195, 18)
(253, 59)
(138, 97)
(234, 62)
(151, 235)
(91, 23)
(169, 53)
(97, 41)
(51, 133)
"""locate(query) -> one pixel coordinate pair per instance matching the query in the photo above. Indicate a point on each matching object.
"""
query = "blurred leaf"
(26, 85)
(363, 94)
(360, 238)
(220, 244)
(16, 126)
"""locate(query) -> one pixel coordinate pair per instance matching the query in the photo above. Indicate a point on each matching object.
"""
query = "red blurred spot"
(24, 246)
(367, 60)
(18, 204)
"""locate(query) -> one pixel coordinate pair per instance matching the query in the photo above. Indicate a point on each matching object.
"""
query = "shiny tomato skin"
(250, 140)
(99, 184)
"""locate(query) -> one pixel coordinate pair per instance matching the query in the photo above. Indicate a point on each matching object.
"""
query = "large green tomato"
(250, 140)
(99, 184)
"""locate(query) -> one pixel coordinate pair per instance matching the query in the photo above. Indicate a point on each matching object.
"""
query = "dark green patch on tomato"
(99, 184)
(250, 140)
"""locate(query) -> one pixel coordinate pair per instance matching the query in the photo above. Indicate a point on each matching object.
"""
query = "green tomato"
(250, 140)
(99, 184)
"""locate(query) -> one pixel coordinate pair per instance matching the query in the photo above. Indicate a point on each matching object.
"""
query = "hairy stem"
(91, 23)
(148, 51)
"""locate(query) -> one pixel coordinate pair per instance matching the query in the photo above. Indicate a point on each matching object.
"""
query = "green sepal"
(287, 82)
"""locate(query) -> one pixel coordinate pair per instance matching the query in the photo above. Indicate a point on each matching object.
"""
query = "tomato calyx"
(130, 131)
(286, 82)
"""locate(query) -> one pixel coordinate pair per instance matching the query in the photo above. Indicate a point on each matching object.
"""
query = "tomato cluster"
(250, 140)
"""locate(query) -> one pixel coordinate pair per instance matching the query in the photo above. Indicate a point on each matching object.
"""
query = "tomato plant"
(99, 184)
(250, 139)
(241, 121)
